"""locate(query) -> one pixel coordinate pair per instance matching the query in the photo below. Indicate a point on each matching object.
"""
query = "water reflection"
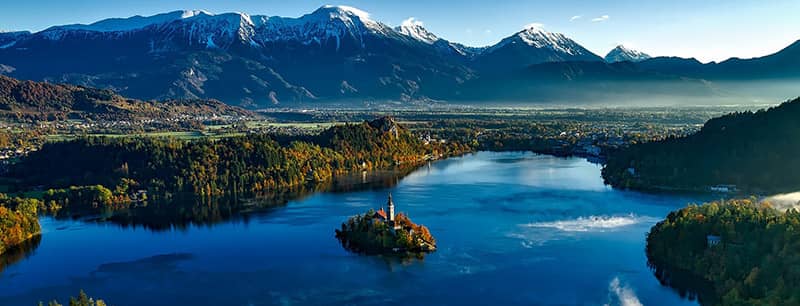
(183, 211)
(685, 283)
(551, 238)
(19, 252)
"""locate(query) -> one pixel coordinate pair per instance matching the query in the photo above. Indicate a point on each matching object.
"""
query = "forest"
(754, 258)
(213, 167)
(754, 151)
(18, 221)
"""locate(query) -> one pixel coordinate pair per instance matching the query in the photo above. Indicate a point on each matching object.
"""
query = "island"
(733, 252)
(382, 232)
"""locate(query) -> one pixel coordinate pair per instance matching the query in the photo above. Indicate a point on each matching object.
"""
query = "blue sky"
(708, 30)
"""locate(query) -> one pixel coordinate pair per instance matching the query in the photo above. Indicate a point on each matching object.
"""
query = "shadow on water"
(19, 252)
(686, 284)
(186, 210)
(153, 264)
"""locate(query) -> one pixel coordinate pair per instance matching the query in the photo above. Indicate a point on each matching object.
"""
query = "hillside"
(755, 151)
(41, 100)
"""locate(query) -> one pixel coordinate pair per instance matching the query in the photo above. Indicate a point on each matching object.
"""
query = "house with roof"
(712, 240)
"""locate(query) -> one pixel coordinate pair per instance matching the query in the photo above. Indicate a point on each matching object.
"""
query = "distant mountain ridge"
(334, 54)
(52, 101)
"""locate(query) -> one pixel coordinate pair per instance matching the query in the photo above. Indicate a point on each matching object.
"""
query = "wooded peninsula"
(213, 167)
(735, 252)
(753, 152)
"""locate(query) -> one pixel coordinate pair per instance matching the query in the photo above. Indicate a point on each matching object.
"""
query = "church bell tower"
(390, 207)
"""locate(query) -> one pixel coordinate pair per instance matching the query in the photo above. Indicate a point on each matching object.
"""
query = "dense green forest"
(755, 151)
(755, 262)
(18, 221)
(212, 167)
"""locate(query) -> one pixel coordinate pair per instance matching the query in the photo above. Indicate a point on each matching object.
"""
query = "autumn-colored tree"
(18, 221)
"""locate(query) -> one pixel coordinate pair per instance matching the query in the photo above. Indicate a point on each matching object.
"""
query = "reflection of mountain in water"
(183, 211)
(19, 252)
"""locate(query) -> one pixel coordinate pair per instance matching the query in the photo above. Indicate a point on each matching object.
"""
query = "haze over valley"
(339, 55)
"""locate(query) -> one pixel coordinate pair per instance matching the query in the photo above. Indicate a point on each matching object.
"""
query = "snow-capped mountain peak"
(334, 24)
(530, 46)
(218, 30)
(192, 13)
(346, 14)
(415, 29)
(200, 27)
(345, 10)
(534, 35)
(621, 53)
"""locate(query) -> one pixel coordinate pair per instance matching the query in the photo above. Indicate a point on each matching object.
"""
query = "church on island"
(388, 218)
(385, 232)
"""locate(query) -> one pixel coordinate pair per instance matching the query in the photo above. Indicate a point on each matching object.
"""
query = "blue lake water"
(512, 229)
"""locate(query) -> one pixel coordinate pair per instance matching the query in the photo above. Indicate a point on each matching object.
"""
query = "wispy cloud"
(576, 17)
(601, 18)
(487, 31)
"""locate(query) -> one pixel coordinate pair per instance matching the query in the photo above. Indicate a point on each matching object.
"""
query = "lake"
(512, 229)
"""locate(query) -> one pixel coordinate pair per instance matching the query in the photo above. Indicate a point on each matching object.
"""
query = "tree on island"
(82, 300)
(379, 232)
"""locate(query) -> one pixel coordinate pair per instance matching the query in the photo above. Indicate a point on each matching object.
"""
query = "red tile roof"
(380, 214)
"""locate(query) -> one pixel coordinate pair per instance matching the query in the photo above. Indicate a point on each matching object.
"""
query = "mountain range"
(338, 54)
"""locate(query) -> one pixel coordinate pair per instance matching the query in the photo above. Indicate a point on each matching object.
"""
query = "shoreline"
(12, 247)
